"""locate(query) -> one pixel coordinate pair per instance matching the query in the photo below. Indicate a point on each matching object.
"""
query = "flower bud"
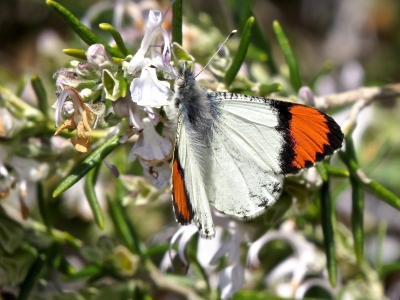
(98, 58)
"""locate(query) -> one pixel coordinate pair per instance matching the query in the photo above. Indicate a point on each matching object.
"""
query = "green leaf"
(87, 271)
(41, 95)
(77, 53)
(21, 86)
(21, 107)
(357, 214)
(84, 32)
(116, 36)
(289, 56)
(180, 53)
(240, 54)
(177, 22)
(140, 248)
(90, 193)
(120, 224)
(322, 171)
(267, 89)
(327, 222)
(87, 164)
(30, 279)
(42, 203)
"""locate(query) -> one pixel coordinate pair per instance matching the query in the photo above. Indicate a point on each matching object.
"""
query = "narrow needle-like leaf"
(84, 32)
(90, 193)
(357, 213)
(240, 54)
(289, 56)
(41, 95)
(87, 164)
(41, 198)
(116, 36)
(31, 277)
(327, 222)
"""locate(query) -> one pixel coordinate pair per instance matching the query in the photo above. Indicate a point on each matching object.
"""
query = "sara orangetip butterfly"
(232, 151)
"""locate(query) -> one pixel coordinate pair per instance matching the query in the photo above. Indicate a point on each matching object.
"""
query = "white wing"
(193, 180)
(244, 160)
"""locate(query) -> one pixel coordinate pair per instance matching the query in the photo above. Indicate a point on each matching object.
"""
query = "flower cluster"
(86, 89)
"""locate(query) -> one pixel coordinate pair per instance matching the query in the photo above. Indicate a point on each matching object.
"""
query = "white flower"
(148, 90)
(226, 244)
(150, 146)
(288, 275)
(159, 175)
(153, 29)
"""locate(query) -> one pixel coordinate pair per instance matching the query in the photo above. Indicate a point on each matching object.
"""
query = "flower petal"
(230, 280)
(150, 146)
(158, 175)
(149, 91)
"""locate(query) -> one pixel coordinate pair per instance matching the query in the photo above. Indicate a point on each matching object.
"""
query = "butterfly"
(232, 151)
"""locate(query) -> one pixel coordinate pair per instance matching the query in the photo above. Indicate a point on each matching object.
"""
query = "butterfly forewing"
(302, 135)
(188, 191)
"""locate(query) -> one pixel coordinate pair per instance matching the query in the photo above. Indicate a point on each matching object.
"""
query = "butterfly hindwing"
(244, 159)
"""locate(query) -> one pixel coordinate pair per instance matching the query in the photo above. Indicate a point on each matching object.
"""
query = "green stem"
(369, 184)
(177, 22)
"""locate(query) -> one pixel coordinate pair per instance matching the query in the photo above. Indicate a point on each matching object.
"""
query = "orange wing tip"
(310, 136)
(315, 134)
(182, 207)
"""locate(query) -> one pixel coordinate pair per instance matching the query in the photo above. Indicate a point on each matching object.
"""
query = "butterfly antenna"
(220, 47)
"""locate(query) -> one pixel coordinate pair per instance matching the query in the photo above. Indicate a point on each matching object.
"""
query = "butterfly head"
(185, 76)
